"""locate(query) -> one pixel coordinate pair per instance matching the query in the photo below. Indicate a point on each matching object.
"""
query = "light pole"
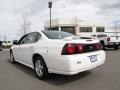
(50, 6)
(116, 23)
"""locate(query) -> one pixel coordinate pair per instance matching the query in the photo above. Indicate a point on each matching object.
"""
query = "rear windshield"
(100, 35)
(57, 34)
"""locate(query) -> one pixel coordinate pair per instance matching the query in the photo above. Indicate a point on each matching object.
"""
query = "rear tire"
(116, 47)
(102, 43)
(12, 59)
(40, 68)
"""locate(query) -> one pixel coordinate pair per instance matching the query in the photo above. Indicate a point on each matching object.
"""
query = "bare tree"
(25, 26)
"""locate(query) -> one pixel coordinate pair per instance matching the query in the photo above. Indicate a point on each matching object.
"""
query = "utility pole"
(116, 29)
(116, 25)
(50, 7)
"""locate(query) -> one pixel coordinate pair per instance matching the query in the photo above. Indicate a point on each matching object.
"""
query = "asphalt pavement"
(20, 77)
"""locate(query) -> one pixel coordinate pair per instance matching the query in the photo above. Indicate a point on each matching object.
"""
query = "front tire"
(40, 68)
(12, 59)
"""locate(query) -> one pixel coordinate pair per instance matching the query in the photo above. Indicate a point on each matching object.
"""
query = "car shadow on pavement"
(59, 80)
(110, 49)
(53, 79)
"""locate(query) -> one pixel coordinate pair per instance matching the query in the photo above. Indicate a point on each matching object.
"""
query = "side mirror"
(15, 42)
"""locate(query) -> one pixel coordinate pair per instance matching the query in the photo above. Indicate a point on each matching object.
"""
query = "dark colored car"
(1, 45)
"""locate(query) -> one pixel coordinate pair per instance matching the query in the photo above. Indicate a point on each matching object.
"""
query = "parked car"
(57, 52)
(7, 44)
(1, 48)
(108, 41)
(15, 42)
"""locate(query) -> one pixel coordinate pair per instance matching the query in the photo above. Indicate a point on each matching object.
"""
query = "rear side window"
(38, 36)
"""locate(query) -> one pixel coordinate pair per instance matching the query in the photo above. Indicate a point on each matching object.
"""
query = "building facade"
(75, 26)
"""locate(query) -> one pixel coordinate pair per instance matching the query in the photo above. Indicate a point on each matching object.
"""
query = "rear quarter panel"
(50, 50)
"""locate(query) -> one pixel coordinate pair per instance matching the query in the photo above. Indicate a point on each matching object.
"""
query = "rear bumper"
(73, 64)
(113, 44)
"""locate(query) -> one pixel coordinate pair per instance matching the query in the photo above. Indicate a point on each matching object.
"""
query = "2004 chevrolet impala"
(57, 52)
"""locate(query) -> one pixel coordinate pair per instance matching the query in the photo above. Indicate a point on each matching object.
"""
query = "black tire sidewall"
(11, 54)
(116, 47)
(103, 45)
(45, 69)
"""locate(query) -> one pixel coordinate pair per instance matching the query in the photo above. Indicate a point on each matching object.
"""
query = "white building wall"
(80, 23)
(112, 31)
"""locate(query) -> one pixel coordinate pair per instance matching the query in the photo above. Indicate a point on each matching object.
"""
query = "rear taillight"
(80, 48)
(108, 39)
(70, 49)
(99, 46)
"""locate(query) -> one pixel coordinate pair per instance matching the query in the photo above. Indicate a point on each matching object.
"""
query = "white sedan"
(57, 52)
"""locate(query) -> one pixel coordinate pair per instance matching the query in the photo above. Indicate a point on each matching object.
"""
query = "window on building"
(85, 29)
(68, 29)
(100, 29)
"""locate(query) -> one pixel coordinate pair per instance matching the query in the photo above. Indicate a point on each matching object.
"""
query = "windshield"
(57, 34)
(100, 35)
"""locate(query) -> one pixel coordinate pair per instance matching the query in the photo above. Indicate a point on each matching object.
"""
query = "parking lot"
(19, 77)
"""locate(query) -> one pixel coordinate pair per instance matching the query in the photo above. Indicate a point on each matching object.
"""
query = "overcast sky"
(11, 12)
